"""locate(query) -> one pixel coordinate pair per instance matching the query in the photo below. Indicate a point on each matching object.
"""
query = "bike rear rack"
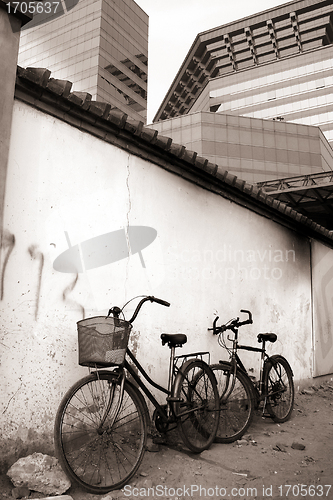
(180, 360)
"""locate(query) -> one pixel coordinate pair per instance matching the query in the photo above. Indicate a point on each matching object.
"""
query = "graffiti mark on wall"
(37, 255)
(68, 290)
(7, 244)
(105, 249)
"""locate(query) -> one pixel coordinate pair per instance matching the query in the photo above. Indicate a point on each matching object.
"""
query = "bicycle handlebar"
(233, 324)
(159, 301)
(115, 311)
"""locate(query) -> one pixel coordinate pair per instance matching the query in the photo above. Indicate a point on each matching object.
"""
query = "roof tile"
(177, 150)
(149, 134)
(59, 87)
(85, 97)
(40, 76)
(163, 142)
(101, 109)
(189, 156)
(117, 117)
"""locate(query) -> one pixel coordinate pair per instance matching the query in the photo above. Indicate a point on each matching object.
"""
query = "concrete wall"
(322, 280)
(210, 256)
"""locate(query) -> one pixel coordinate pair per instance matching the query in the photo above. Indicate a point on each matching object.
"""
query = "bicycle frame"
(143, 387)
(168, 415)
(237, 362)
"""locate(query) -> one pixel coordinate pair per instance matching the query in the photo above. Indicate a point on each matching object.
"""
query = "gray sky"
(173, 26)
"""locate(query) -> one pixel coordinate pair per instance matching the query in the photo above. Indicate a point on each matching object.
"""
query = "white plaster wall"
(322, 282)
(210, 256)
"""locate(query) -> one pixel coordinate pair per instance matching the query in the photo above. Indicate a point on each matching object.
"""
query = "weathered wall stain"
(37, 255)
(326, 336)
(7, 244)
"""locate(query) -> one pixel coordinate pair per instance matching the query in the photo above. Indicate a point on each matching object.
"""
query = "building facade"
(99, 45)
(254, 149)
(274, 65)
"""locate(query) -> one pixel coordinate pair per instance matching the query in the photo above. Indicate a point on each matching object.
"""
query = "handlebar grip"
(160, 301)
(250, 321)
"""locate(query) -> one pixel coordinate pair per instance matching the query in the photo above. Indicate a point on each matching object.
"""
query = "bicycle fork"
(111, 394)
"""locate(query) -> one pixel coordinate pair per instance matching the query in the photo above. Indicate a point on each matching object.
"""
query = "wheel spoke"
(100, 457)
(198, 413)
(236, 408)
(279, 388)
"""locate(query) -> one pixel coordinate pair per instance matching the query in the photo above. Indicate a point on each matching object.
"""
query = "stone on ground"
(41, 473)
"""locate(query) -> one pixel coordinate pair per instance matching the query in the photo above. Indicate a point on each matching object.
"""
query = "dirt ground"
(264, 465)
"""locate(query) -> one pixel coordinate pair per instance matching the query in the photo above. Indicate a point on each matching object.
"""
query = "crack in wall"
(128, 217)
(13, 396)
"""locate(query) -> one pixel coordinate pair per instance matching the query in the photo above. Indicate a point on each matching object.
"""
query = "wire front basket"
(102, 341)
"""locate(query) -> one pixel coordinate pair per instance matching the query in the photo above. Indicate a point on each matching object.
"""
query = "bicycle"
(101, 425)
(239, 395)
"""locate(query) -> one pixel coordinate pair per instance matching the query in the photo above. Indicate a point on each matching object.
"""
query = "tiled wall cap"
(201, 162)
(189, 156)
(40, 76)
(212, 168)
(86, 99)
(134, 126)
(101, 109)
(261, 195)
(149, 135)
(59, 87)
(177, 150)
(163, 142)
(75, 99)
(230, 179)
(117, 117)
(248, 188)
(240, 183)
(220, 174)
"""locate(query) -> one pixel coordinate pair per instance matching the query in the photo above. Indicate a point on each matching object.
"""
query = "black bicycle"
(239, 395)
(101, 424)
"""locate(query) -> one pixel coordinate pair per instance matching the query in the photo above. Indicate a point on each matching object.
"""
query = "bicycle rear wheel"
(279, 388)
(197, 408)
(99, 444)
(236, 410)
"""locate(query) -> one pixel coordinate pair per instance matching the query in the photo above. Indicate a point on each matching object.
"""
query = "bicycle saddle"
(271, 337)
(174, 339)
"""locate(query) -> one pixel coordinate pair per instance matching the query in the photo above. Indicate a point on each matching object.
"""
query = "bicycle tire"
(195, 389)
(100, 459)
(279, 388)
(236, 412)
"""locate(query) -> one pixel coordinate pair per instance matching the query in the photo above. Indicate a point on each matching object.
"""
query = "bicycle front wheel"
(237, 407)
(197, 406)
(279, 388)
(99, 439)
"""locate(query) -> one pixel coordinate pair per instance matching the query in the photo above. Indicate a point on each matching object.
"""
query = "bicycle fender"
(276, 358)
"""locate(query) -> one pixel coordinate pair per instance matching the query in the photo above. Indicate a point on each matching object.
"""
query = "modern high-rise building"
(276, 65)
(101, 46)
